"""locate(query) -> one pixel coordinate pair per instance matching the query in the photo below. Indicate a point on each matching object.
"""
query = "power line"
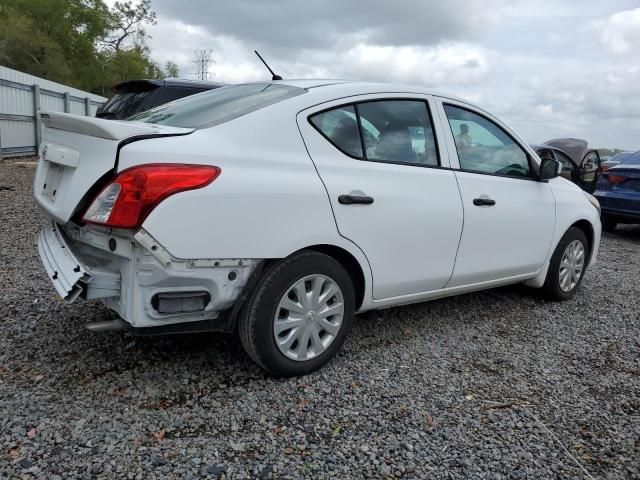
(202, 61)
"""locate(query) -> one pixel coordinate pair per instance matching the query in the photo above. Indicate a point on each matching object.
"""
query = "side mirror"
(549, 168)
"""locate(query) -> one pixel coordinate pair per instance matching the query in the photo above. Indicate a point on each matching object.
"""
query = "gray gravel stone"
(446, 389)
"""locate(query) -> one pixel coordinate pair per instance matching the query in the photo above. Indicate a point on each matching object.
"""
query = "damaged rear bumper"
(72, 275)
(135, 277)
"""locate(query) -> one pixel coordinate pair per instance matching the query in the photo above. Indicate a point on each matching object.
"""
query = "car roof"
(362, 87)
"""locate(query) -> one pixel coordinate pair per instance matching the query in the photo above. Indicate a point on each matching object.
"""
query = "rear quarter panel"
(268, 202)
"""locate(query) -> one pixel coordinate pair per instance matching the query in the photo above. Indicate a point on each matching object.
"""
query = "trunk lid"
(78, 151)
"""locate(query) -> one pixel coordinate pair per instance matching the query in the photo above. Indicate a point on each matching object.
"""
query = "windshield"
(218, 106)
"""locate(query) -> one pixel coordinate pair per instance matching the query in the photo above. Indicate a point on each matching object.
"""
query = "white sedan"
(280, 209)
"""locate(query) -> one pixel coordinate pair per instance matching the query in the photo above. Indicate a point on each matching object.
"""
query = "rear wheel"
(609, 224)
(298, 315)
(567, 265)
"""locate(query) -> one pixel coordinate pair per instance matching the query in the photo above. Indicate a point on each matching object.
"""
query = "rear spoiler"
(109, 129)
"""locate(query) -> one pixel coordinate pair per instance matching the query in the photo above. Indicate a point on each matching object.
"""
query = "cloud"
(291, 25)
(456, 62)
(621, 32)
(547, 68)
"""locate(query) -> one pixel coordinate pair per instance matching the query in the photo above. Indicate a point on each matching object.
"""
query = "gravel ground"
(499, 384)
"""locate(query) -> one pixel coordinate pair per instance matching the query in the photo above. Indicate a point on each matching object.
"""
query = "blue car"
(618, 191)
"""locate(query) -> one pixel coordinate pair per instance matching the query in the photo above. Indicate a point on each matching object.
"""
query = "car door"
(590, 170)
(390, 187)
(568, 168)
(509, 216)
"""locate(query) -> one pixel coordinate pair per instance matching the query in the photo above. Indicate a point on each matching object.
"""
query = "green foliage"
(171, 70)
(81, 43)
(125, 24)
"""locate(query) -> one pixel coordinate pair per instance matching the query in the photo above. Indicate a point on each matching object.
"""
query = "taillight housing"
(136, 191)
(615, 179)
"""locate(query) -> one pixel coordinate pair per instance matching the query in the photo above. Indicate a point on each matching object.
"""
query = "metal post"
(67, 102)
(36, 115)
(1, 159)
(87, 106)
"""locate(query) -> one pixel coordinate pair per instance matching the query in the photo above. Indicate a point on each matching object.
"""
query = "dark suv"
(135, 96)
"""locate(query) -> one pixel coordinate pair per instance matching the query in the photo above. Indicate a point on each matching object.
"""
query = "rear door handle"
(355, 199)
(479, 202)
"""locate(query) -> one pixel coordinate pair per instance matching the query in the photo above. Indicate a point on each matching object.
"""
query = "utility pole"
(202, 61)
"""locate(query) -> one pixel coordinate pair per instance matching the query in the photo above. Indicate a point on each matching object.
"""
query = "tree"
(126, 24)
(171, 69)
(81, 43)
(60, 46)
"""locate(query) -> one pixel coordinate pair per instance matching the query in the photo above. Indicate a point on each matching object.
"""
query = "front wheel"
(298, 315)
(567, 265)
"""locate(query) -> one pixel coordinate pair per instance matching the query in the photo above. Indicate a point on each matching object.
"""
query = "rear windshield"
(123, 105)
(632, 159)
(218, 106)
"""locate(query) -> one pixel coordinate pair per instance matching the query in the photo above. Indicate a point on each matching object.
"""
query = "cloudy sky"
(548, 68)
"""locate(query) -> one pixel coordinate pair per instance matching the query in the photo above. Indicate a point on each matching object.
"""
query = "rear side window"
(218, 106)
(340, 127)
(398, 131)
(393, 131)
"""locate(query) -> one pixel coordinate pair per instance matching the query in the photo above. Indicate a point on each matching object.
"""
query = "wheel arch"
(587, 229)
(350, 264)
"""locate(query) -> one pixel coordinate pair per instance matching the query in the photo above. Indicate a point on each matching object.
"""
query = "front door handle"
(479, 202)
(355, 199)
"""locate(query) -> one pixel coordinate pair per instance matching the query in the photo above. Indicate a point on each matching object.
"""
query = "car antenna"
(273, 75)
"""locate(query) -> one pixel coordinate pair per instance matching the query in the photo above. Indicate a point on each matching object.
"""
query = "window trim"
(531, 177)
(364, 158)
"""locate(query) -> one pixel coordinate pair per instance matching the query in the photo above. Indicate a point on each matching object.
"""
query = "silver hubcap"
(308, 317)
(571, 265)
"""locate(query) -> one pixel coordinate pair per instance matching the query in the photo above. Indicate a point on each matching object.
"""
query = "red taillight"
(615, 179)
(135, 192)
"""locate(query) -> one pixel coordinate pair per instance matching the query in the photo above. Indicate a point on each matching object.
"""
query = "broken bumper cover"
(72, 275)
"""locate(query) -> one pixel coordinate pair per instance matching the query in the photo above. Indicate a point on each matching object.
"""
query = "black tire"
(609, 224)
(551, 287)
(255, 323)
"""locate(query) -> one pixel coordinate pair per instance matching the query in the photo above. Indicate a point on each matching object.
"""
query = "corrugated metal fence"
(22, 96)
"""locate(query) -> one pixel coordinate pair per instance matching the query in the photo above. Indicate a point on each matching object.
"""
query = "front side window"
(591, 161)
(395, 131)
(484, 147)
